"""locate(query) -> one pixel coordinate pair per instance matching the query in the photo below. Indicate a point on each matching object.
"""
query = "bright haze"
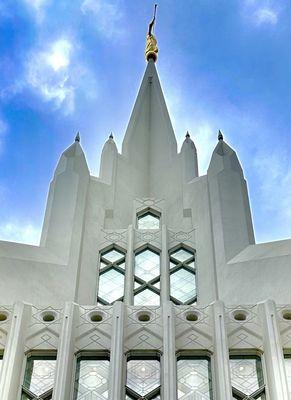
(68, 66)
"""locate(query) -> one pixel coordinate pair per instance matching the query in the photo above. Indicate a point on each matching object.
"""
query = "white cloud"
(107, 15)
(205, 141)
(49, 74)
(21, 233)
(266, 16)
(38, 8)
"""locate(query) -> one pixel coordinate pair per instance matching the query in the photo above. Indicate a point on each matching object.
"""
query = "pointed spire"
(187, 135)
(111, 136)
(220, 135)
(77, 138)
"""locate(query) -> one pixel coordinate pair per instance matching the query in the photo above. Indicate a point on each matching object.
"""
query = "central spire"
(151, 50)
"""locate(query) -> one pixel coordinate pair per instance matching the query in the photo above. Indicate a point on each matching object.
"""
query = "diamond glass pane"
(113, 256)
(246, 374)
(39, 375)
(148, 221)
(91, 379)
(194, 379)
(147, 265)
(111, 285)
(147, 298)
(288, 373)
(182, 255)
(143, 376)
(183, 285)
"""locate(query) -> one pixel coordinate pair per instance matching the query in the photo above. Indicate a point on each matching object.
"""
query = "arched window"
(92, 376)
(247, 377)
(147, 277)
(148, 219)
(183, 275)
(143, 376)
(111, 275)
(39, 376)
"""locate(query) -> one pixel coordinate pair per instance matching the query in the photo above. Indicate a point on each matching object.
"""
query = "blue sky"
(69, 65)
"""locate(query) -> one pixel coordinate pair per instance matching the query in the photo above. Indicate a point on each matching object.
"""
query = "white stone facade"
(242, 287)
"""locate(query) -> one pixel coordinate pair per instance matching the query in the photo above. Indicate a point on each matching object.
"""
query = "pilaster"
(129, 270)
(14, 352)
(169, 352)
(165, 276)
(273, 353)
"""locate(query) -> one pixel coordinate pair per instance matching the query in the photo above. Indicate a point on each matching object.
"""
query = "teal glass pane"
(147, 265)
(148, 221)
(39, 374)
(246, 373)
(147, 298)
(143, 376)
(182, 255)
(111, 285)
(183, 285)
(113, 256)
(91, 380)
(288, 373)
(194, 379)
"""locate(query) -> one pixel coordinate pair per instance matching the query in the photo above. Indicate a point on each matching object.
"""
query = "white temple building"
(147, 283)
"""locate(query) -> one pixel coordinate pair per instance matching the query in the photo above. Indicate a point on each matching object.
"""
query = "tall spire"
(151, 50)
(77, 138)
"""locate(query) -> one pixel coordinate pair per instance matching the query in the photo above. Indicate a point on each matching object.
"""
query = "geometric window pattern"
(39, 378)
(147, 278)
(143, 381)
(247, 377)
(111, 276)
(288, 372)
(148, 220)
(194, 378)
(92, 378)
(182, 276)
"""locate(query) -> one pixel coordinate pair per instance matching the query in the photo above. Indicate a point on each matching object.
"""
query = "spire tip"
(111, 136)
(220, 135)
(77, 138)
(187, 135)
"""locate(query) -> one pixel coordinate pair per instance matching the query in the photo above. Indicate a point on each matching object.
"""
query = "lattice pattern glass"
(111, 276)
(148, 221)
(147, 277)
(194, 378)
(143, 378)
(288, 372)
(183, 276)
(39, 374)
(91, 380)
(247, 375)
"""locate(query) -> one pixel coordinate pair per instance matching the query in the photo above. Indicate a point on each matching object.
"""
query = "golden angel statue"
(151, 50)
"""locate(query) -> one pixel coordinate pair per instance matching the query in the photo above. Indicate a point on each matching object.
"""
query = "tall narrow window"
(111, 276)
(194, 378)
(247, 377)
(39, 378)
(148, 219)
(288, 371)
(143, 380)
(147, 278)
(183, 276)
(92, 377)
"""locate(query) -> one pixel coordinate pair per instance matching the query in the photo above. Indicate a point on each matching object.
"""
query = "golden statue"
(151, 50)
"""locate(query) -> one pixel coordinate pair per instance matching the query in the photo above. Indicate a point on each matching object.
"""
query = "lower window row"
(143, 376)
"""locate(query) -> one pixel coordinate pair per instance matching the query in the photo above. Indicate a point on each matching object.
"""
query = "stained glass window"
(247, 377)
(39, 377)
(111, 276)
(288, 371)
(92, 378)
(194, 378)
(147, 278)
(183, 276)
(148, 220)
(143, 379)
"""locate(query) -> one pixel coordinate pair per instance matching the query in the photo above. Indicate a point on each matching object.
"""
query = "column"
(165, 276)
(116, 388)
(273, 352)
(14, 352)
(66, 350)
(129, 269)
(169, 352)
(221, 354)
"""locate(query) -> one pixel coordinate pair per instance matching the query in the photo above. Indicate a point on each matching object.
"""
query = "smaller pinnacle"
(111, 136)
(77, 138)
(220, 135)
(187, 135)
